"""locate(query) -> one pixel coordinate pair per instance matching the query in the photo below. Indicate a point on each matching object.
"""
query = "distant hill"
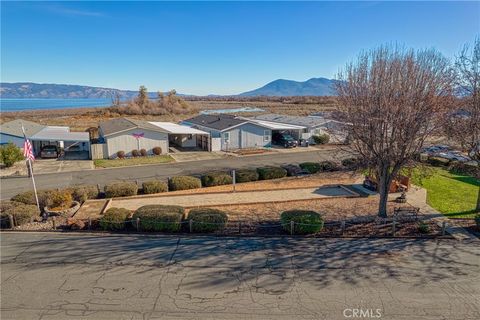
(29, 90)
(281, 87)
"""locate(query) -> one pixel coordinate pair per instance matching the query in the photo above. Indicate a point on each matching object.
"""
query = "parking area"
(58, 165)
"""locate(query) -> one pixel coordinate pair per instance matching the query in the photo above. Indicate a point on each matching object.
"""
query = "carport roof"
(174, 128)
(60, 134)
(294, 120)
(275, 125)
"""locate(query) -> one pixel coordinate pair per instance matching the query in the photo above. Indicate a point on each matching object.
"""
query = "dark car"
(49, 151)
(284, 139)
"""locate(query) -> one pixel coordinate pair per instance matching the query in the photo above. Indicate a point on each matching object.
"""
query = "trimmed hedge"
(157, 151)
(22, 213)
(268, 173)
(321, 138)
(328, 166)
(310, 167)
(59, 199)
(303, 217)
(292, 170)
(246, 175)
(135, 153)
(120, 189)
(351, 163)
(154, 186)
(207, 219)
(160, 218)
(114, 219)
(184, 183)
(465, 169)
(143, 152)
(212, 179)
(121, 154)
(82, 193)
(28, 197)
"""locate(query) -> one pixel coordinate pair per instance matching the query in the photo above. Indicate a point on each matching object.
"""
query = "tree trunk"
(383, 186)
(478, 201)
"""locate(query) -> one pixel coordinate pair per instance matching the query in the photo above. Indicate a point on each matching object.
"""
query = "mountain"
(29, 90)
(281, 87)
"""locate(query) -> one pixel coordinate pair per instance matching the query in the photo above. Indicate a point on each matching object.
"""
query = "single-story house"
(76, 145)
(313, 125)
(126, 134)
(229, 132)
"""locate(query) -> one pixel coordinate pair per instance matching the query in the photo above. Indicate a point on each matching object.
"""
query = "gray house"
(230, 132)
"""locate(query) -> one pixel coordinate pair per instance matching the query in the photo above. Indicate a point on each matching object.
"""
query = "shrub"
(267, 173)
(114, 219)
(184, 183)
(135, 153)
(207, 219)
(9, 154)
(159, 218)
(292, 170)
(157, 151)
(28, 197)
(212, 179)
(59, 199)
(477, 220)
(154, 186)
(82, 193)
(143, 152)
(327, 166)
(321, 138)
(465, 169)
(423, 227)
(308, 221)
(246, 175)
(351, 163)
(120, 189)
(438, 162)
(121, 154)
(310, 167)
(22, 213)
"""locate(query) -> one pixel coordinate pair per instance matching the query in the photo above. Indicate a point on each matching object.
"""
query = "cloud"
(66, 11)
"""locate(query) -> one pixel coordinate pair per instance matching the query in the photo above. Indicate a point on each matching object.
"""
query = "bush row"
(79, 193)
(139, 153)
(22, 213)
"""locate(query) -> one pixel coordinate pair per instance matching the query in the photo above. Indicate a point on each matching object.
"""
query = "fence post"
(31, 219)
(394, 227)
(190, 224)
(54, 224)
(137, 224)
(343, 227)
(292, 226)
(89, 223)
(12, 223)
(233, 180)
(444, 226)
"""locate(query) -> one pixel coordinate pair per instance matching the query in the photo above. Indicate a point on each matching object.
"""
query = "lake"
(234, 110)
(45, 104)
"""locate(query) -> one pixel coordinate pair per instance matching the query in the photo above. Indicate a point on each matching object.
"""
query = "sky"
(214, 47)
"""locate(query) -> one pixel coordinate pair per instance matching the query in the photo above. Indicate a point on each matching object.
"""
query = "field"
(453, 195)
(83, 118)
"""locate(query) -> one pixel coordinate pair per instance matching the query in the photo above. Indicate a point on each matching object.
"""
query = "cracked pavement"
(83, 276)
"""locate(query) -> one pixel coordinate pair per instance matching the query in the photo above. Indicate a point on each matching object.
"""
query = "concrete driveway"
(69, 276)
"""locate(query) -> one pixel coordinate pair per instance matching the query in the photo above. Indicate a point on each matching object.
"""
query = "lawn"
(113, 163)
(453, 195)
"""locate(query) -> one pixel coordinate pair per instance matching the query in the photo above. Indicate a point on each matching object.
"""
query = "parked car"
(49, 151)
(284, 139)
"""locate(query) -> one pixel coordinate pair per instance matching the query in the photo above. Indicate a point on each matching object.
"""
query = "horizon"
(219, 48)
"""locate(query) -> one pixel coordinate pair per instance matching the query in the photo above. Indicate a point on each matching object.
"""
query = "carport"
(184, 138)
(275, 127)
(76, 145)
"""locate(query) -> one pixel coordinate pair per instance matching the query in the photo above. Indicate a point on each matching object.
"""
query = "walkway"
(214, 199)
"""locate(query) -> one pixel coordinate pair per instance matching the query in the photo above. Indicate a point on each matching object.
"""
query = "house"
(76, 145)
(313, 125)
(229, 132)
(126, 134)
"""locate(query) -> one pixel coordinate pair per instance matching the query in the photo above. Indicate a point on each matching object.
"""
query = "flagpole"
(30, 169)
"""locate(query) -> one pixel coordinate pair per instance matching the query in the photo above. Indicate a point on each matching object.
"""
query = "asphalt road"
(71, 276)
(12, 186)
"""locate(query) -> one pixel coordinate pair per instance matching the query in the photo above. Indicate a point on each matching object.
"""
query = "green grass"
(113, 163)
(453, 195)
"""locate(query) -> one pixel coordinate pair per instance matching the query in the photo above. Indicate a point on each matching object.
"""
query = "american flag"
(28, 150)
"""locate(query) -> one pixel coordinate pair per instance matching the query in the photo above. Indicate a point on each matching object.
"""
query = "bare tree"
(142, 98)
(392, 98)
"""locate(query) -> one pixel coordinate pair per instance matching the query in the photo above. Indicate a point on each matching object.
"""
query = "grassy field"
(453, 195)
(113, 163)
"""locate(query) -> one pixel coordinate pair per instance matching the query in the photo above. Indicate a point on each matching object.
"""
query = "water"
(46, 104)
(242, 109)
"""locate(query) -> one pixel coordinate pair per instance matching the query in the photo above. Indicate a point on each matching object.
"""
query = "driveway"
(13, 186)
(47, 166)
(69, 276)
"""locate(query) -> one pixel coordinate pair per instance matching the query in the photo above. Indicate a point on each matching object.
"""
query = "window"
(226, 137)
(266, 135)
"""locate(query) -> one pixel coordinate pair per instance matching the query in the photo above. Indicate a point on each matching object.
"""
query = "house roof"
(174, 128)
(294, 120)
(14, 128)
(218, 122)
(60, 134)
(117, 125)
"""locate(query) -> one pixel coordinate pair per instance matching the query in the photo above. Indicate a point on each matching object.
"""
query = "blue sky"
(214, 47)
